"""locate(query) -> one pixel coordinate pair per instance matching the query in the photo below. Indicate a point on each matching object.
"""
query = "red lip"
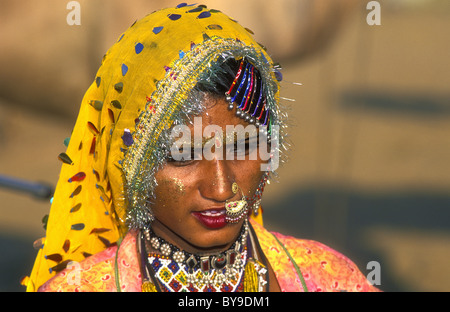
(212, 218)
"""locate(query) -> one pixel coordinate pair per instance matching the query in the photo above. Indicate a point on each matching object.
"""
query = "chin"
(218, 239)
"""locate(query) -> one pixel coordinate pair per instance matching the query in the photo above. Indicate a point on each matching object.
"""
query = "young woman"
(161, 184)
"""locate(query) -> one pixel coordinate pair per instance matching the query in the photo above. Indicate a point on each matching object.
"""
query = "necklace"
(176, 270)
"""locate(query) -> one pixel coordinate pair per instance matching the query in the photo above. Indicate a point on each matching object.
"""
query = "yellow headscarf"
(144, 80)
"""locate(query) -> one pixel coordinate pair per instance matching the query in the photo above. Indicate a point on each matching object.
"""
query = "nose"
(217, 181)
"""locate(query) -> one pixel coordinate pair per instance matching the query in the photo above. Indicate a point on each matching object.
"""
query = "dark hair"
(219, 82)
(241, 83)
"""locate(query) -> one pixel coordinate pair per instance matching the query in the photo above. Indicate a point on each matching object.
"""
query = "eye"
(245, 147)
(179, 162)
(183, 157)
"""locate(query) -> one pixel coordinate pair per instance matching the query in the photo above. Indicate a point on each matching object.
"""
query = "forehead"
(216, 121)
(216, 113)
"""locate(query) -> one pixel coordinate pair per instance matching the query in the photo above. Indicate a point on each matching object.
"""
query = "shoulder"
(322, 268)
(98, 272)
(95, 273)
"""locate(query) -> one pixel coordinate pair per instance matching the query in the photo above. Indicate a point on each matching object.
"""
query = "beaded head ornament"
(145, 85)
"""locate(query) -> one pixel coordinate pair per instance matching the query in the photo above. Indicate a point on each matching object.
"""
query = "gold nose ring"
(236, 210)
(235, 188)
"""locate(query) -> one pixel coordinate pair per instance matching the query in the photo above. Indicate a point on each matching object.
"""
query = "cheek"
(169, 194)
(253, 176)
(256, 181)
(177, 187)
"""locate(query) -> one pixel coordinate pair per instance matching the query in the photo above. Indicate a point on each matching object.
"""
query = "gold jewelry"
(235, 188)
(148, 286)
(170, 268)
(236, 210)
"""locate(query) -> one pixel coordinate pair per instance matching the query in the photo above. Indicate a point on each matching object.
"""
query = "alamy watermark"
(74, 16)
(374, 16)
(237, 143)
(374, 276)
(73, 273)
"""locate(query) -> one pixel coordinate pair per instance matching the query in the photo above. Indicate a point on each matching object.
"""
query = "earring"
(236, 210)
(255, 201)
(256, 207)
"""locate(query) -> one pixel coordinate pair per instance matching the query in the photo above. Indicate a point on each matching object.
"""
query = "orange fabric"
(323, 268)
(97, 273)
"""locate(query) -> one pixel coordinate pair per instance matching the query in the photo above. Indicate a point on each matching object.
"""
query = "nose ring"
(235, 188)
(236, 210)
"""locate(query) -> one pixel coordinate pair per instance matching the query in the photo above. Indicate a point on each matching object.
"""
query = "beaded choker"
(172, 269)
(204, 262)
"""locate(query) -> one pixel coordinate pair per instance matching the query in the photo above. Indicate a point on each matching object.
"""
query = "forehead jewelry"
(247, 93)
(236, 210)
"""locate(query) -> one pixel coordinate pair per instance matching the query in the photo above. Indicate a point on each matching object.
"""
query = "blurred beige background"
(368, 171)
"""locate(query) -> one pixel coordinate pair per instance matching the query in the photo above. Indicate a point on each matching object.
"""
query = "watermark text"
(237, 143)
(74, 16)
(374, 16)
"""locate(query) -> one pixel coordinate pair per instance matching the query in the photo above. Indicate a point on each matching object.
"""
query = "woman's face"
(189, 204)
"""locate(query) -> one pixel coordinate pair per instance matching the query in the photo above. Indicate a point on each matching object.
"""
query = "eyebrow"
(226, 139)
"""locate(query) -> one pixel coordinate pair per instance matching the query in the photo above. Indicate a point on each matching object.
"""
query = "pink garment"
(97, 272)
(322, 268)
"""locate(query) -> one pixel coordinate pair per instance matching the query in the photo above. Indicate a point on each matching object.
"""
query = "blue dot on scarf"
(204, 14)
(127, 137)
(174, 17)
(124, 69)
(157, 30)
(138, 47)
(278, 75)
